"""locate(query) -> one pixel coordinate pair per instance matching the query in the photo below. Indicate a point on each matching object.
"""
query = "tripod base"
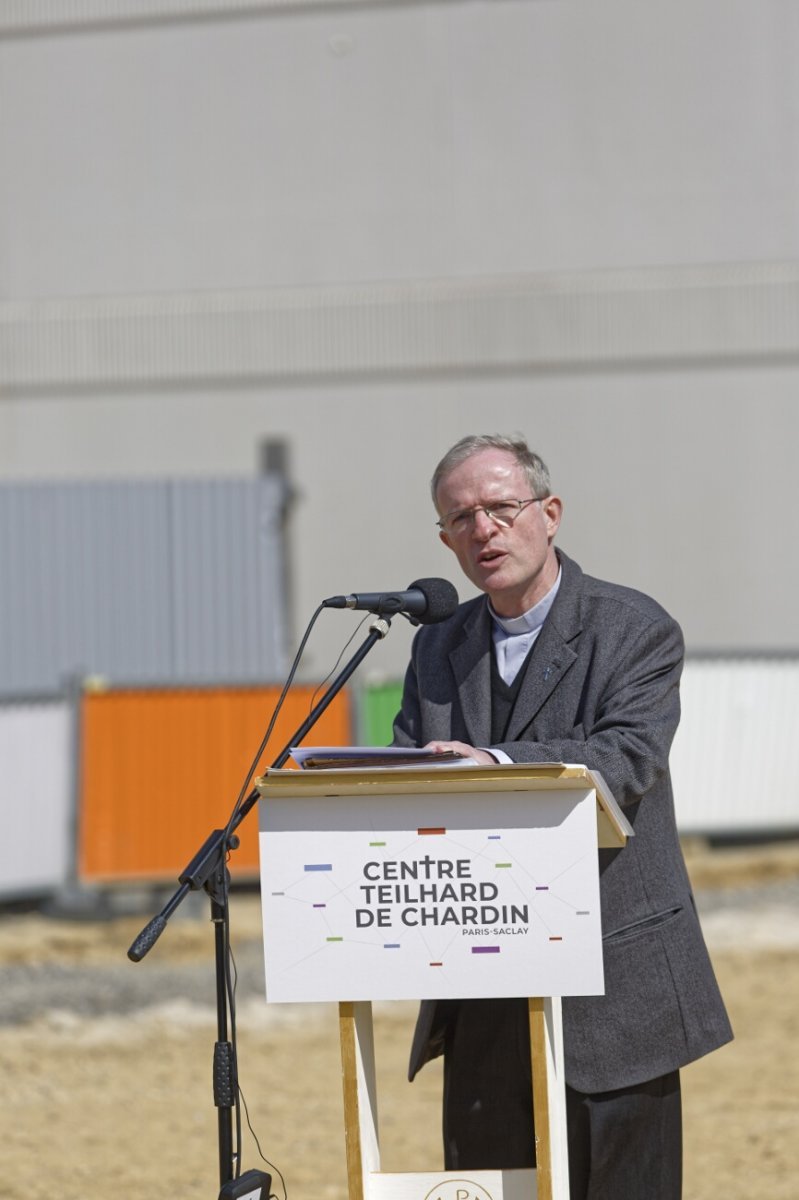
(252, 1185)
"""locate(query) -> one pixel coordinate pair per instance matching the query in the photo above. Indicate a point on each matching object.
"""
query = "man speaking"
(551, 665)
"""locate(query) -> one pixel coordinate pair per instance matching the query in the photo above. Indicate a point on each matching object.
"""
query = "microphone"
(426, 600)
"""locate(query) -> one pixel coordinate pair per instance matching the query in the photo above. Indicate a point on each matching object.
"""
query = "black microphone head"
(441, 597)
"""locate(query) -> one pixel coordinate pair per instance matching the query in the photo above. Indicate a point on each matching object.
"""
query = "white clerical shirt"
(513, 639)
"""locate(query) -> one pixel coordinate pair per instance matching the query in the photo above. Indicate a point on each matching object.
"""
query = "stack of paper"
(349, 758)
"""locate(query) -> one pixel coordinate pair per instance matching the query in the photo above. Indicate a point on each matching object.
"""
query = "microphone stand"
(207, 870)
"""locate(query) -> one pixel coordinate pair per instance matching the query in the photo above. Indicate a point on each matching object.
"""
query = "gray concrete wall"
(319, 143)
(370, 228)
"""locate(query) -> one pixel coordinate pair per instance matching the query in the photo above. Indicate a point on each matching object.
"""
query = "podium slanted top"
(613, 828)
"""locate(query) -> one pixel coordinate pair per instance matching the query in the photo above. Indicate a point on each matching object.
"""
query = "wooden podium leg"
(549, 1098)
(360, 1094)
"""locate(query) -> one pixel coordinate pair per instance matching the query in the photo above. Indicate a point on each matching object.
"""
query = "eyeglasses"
(502, 512)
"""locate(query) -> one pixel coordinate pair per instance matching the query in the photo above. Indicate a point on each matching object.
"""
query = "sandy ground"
(106, 1065)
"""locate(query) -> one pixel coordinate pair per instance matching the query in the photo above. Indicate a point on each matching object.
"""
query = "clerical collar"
(530, 621)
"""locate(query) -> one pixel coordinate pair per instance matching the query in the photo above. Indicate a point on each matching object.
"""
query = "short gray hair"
(533, 466)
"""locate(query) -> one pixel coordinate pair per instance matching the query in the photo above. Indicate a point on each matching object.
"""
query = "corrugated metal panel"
(228, 568)
(732, 760)
(152, 582)
(36, 782)
(161, 769)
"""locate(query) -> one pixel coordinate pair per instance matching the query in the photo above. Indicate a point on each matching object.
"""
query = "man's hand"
(480, 756)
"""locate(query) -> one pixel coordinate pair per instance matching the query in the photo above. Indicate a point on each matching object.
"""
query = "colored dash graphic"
(320, 906)
(432, 832)
(318, 867)
(494, 837)
(485, 949)
(503, 864)
(583, 912)
(438, 964)
(377, 843)
(334, 939)
(556, 939)
(278, 893)
(391, 945)
(542, 887)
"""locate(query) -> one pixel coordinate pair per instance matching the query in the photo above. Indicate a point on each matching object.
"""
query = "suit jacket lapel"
(552, 655)
(551, 659)
(471, 665)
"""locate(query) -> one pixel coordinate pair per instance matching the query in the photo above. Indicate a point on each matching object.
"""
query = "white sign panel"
(375, 897)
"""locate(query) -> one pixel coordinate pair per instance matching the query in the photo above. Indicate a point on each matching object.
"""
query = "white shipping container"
(36, 782)
(731, 759)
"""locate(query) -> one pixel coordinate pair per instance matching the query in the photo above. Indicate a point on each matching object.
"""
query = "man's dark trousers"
(623, 1145)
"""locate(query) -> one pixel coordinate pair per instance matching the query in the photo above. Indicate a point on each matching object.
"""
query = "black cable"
(230, 983)
(265, 740)
(263, 1157)
(231, 973)
(334, 668)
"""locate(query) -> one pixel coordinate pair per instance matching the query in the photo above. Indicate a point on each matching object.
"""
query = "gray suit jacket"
(601, 688)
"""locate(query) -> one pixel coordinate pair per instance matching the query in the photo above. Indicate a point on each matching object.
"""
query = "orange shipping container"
(161, 769)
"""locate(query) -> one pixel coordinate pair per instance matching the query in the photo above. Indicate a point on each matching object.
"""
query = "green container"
(379, 706)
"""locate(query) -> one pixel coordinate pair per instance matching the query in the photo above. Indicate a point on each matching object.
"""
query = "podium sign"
(438, 883)
(430, 894)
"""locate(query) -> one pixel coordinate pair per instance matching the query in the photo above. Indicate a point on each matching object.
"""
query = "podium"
(437, 883)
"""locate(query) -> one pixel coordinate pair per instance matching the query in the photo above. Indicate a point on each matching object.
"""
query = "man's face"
(515, 566)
